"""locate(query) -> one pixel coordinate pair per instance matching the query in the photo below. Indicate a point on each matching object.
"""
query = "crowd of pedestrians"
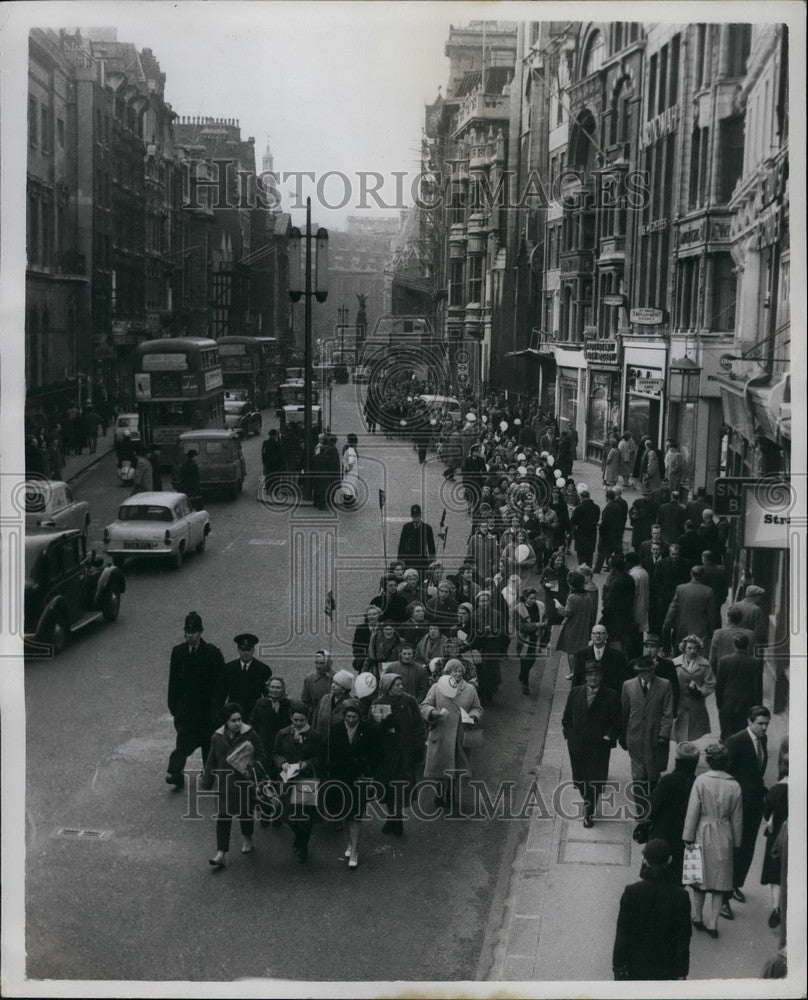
(50, 436)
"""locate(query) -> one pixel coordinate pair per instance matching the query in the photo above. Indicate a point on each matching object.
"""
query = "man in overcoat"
(739, 686)
(610, 532)
(692, 611)
(653, 927)
(584, 524)
(194, 681)
(749, 755)
(647, 715)
(671, 516)
(613, 663)
(591, 725)
(416, 546)
(244, 679)
(669, 573)
(751, 612)
(617, 605)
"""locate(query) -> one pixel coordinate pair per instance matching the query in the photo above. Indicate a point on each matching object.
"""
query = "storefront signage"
(728, 495)
(648, 386)
(767, 228)
(601, 352)
(654, 227)
(720, 231)
(660, 126)
(213, 379)
(646, 316)
(691, 235)
(613, 300)
(767, 518)
(165, 362)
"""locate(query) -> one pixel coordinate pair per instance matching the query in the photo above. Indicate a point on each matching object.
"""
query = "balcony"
(479, 107)
(576, 262)
(612, 250)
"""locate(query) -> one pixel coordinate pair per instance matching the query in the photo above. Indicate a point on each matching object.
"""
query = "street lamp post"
(301, 286)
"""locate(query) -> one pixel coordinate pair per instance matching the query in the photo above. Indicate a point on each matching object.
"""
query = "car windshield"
(235, 408)
(124, 422)
(144, 512)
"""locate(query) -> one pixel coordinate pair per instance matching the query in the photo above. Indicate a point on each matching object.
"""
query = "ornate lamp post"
(684, 380)
(304, 285)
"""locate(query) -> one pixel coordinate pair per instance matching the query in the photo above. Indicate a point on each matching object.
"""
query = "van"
(219, 457)
(443, 406)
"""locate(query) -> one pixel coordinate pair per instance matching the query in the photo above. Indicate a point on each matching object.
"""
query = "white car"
(156, 525)
(51, 506)
(127, 422)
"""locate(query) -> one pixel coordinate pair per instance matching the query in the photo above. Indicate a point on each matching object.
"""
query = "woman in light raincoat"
(350, 471)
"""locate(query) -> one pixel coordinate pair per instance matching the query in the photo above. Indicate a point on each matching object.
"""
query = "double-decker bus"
(250, 368)
(178, 388)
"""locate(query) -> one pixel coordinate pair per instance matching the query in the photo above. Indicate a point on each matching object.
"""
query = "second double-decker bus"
(250, 368)
(178, 388)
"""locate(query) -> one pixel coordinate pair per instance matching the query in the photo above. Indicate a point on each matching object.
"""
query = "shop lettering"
(660, 126)
(654, 227)
(688, 236)
(775, 519)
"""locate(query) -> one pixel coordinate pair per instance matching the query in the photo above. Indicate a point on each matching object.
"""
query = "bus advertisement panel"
(178, 388)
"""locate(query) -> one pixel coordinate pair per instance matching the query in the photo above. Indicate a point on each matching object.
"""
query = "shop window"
(724, 292)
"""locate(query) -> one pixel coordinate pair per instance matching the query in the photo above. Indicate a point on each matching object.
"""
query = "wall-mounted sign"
(649, 386)
(767, 515)
(601, 352)
(613, 300)
(645, 381)
(660, 126)
(213, 379)
(647, 316)
(728, 495)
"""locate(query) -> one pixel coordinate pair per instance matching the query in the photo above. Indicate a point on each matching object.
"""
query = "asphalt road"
(139, 901)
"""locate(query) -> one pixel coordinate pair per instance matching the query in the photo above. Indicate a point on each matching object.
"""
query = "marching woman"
(331, 706)
(272, 714)
(350, 471)
(384, 647)
(431, 645)
(400, 742)
(235, 759)
(530, 617)
(577, 615)
(352, 750)
(696, 681)
(441, 710)
(299, 744)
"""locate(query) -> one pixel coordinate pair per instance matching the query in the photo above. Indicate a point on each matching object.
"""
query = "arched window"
(593, 54)
(621, 112)
(582, 142)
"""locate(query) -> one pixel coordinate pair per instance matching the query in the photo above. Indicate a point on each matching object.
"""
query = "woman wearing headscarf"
(331, 705)
(530, 617)
(575, 630)
(299, 744)
(271, 714)
(696, 682)
(442, 609)
(410, 588)
(352, 744)
(714, 821)
(384, 647)
(441, 710)
(775, 813)
(592, 593)
(454, 649)
(235, 761)
(489, 636)
(610, 466)
(400, 742)
(669, 804)
(431, 645)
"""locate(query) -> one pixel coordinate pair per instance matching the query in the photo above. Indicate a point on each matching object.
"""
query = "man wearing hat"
(653, 926)
(188, 479)
(474, 471)
(244, 680)
(663, 667)
(752, 616)
(671, 516)
(647, 716)
(739, 685)
(416, 546)
(194, 681)
(591, 725)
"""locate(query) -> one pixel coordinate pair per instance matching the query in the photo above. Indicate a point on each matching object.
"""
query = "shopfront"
(645, 390)
(603, 396)
(568, 398)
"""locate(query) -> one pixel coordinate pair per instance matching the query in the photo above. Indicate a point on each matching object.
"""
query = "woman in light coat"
(577, 615)
(714, 821)
(350, 471)
(610, 466)
(696, 683)
(441, 712)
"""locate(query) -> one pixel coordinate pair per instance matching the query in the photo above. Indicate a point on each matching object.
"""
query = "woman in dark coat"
(271, 714)
(300, 744)
(554, 584)
(669, 804)
(562, 531)
(576, 614)
(352, 742)
(400, 738)
(489, 636)
(235, 760)
(565, 450)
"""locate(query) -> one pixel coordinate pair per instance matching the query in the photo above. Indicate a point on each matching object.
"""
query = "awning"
(771, 406)
(531, 352)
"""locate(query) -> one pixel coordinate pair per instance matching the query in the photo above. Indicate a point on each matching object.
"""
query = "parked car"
(127, 422)
(51, 506)
(220, 460)
(240, 416)
(66, 588)
(156, 526)
(295, 414)
(293, 392)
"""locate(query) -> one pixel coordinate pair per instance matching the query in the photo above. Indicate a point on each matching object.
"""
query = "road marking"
(77, 834)
(228, 547)
(267, 541)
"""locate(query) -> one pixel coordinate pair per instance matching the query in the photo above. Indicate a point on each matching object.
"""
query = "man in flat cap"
(416, 547)
(244, 679)
(194, 680)
(752, 616)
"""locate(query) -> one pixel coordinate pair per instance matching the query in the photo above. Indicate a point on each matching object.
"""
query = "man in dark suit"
(651, 565)
(722, 645)
(244, 679)
(692, 611)
(194, 680)
(748, 755)
(610, 533)
(715, 577)
(668, 574)
(391, 604)
(584, 524)
(653, 927)
(617, 606)
(739, 686)
(591, 725)
(690, 544)
(621, 503)
(671, 516)
(663, 667)
(656, 537)
(416, 547)
(642, 516)
(613, 663)
(697, 506)
(709, 534)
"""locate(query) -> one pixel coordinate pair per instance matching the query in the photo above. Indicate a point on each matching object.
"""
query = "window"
(593, 56)
(559, 108)
(617, 36)
(652, 83)
(674, 70)
(60, 133)
(70, 556)
(456, 282)
(740, 39)
(701, 44)
(731, 166)
(663, 79)
(45, 130)
(33, 230)
(33, 123)
(475, 278)
(724, 293)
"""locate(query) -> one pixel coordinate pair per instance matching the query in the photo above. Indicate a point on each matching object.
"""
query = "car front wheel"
(112, 606)
(58, 633)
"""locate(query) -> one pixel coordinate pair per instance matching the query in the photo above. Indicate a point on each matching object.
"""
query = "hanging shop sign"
(728, 494)
(645, 381)
(647, 316)
(601, 352)
(660, 126)
(613, 300)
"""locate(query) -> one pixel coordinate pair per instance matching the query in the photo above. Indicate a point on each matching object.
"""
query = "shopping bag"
(692, 867)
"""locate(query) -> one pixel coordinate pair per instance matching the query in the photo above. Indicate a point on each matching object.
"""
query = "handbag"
(692, 865)
(472, 737)
(303, 791)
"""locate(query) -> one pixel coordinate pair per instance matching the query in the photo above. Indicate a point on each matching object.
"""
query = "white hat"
(550, 461)
(364, 685)
(522, 470)
(503, 425)
(582, 488)
(447, 686)
(344, 678)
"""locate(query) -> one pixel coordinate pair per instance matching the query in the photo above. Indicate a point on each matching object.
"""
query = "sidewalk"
(75, 465)
(560, 909)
